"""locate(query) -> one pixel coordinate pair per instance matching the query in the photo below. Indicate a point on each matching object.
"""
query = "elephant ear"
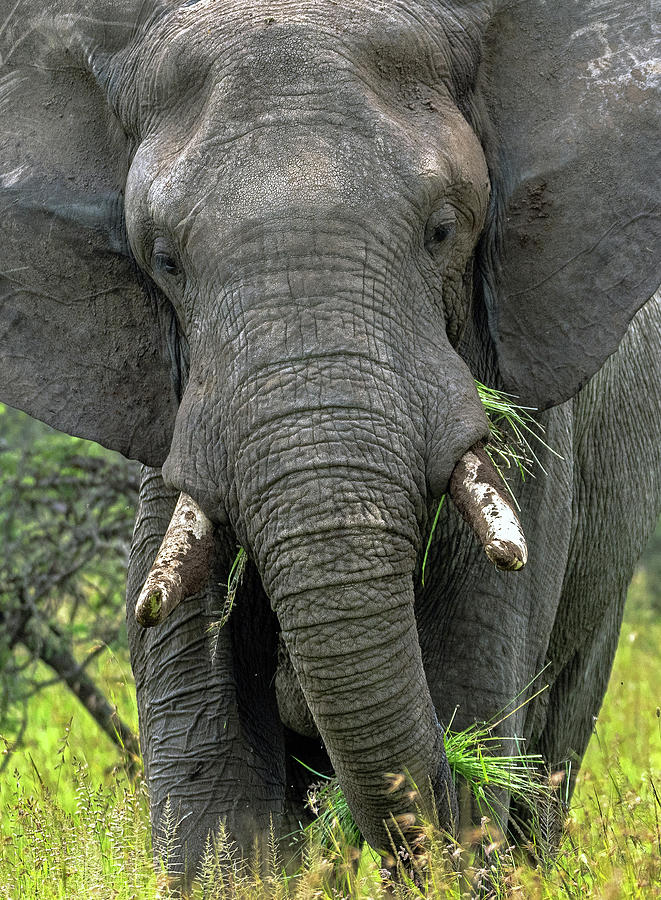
(572, 91)
(83, 335)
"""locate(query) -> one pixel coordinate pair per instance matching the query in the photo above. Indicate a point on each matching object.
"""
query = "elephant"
(267, 249)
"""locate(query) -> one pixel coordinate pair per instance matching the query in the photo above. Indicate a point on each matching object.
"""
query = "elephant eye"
(439, 231)
(165, 263)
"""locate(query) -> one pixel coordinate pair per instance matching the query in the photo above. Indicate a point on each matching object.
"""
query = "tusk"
(480, 496)
(181, 567)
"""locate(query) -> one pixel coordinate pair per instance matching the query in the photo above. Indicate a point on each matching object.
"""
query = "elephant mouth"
(182, 565)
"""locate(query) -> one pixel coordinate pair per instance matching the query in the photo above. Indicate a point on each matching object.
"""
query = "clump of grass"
(334, 824)
(473, 755)
(512, 432)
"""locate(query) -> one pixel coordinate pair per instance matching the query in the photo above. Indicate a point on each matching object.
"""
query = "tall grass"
(73, 827)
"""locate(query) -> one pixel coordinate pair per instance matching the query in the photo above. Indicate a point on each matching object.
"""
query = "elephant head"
(269, 247)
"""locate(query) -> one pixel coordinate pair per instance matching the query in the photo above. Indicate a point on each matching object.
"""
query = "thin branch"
(51, 649)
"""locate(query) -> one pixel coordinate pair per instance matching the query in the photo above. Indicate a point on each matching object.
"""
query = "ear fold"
(83, 337)
(572, 89)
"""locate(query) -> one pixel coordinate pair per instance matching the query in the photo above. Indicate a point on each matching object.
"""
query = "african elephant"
(266, 249)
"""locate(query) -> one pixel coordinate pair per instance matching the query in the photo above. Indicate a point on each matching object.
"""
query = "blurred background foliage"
(66, 516)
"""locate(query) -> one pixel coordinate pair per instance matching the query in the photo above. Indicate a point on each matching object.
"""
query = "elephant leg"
(617, 497)
(211, 736)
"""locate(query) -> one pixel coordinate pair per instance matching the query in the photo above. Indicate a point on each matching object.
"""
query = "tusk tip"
(148, 609)
(507, 556)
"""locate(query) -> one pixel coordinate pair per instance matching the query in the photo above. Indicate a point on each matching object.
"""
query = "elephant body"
(483, 639)
(278, 244)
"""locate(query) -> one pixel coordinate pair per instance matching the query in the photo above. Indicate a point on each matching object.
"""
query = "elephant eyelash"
(167, 264)
(439, 231)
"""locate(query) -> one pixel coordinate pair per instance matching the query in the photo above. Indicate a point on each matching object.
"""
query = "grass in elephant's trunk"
(472, 755)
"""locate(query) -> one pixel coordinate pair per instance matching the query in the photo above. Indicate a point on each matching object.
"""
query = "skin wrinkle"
(402, 744)
(342, 715)
(312, 437)
(263, 544)
(342, 694)
(297, 369)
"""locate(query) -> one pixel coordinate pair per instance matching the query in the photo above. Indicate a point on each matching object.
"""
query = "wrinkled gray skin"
(268, 248)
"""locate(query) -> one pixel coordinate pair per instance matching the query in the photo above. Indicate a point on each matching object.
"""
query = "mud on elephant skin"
(266, 249)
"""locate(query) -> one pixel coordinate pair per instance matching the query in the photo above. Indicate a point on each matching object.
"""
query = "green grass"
(234, 580)
(74, 827)
(72, 824)
(60, 732)
(513, 432)
(477, 763)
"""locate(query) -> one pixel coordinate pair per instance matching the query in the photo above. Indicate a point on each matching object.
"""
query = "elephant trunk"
(341, 585)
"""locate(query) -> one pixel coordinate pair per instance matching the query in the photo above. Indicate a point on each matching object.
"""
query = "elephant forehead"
(275, 169)
(266, 52)
(379, 172)
(294, 110)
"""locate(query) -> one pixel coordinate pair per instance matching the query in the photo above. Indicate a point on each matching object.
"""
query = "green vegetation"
(73, 825)
(66, 516)
(476, 763)
(234, 580)
(511, 430)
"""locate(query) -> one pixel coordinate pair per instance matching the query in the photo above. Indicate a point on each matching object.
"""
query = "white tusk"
(481, 497)
(182, 565)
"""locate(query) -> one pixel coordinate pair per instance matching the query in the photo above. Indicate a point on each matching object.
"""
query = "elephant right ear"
(83, 335)
(572, 88)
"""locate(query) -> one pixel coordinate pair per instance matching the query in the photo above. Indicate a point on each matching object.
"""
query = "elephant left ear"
(572, 89)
